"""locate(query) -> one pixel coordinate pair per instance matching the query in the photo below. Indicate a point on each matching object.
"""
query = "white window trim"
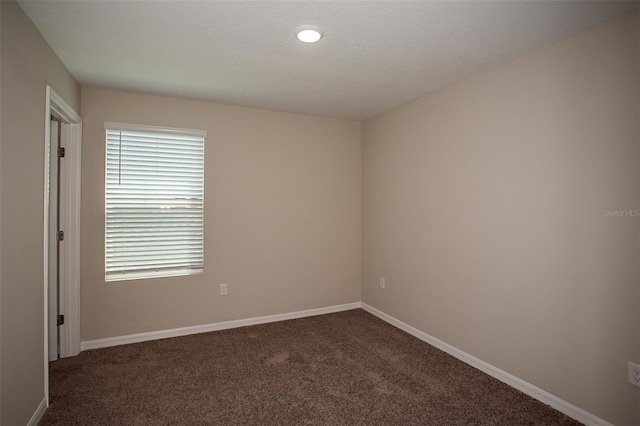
(158, 129)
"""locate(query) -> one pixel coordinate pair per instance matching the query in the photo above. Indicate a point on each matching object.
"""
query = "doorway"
(61, 249)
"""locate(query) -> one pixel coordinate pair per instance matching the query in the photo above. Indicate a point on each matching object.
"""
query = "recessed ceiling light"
(309, 33)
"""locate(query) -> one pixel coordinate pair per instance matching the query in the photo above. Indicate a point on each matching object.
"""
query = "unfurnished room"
(319, 212)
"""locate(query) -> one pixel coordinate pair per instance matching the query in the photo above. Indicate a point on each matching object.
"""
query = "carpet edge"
(204, 328)
(527, 388)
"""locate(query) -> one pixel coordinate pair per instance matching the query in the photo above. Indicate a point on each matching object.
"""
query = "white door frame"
(70, 196)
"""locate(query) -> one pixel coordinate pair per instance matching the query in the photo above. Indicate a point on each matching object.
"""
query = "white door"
(54, 186)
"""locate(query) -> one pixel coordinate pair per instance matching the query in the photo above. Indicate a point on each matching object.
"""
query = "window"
(154, 203)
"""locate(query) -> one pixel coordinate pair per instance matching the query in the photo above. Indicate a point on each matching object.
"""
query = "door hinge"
(60, 235)
(60, 319)
(61, 152)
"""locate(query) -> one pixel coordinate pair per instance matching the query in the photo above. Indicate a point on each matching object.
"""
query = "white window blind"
(154, 206)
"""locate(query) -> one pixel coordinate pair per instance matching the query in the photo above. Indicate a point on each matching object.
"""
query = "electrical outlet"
(634, 374)
(382, 284)
(223, 289)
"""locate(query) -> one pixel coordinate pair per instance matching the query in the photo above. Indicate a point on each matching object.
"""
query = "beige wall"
(28, 64)
(282, 216)
(484, 209)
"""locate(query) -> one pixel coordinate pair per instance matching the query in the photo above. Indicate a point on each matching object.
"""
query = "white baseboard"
(543, 396)
(184, 331)
(38, 414)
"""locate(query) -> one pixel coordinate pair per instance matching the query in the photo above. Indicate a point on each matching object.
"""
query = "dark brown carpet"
(348, 368)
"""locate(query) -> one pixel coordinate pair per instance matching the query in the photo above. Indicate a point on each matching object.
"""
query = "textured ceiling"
(373, 56)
